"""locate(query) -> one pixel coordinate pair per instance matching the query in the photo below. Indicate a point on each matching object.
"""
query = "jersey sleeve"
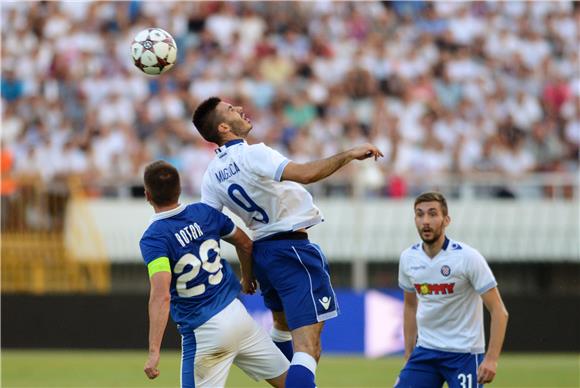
(479, 273)
(266, 162)
(224, 224)
(208, 194)
(152, 248)
(404, 281)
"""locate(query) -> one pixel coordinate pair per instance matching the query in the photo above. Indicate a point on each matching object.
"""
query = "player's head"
(218, 121)
(431, 216)
(162, 184)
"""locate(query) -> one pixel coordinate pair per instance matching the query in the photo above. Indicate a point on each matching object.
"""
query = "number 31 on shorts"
(466, 380)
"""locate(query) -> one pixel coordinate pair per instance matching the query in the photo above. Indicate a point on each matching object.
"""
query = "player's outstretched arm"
(316, 170)
(499, 318)
(410, 322)
(159, 299)
(243, 246)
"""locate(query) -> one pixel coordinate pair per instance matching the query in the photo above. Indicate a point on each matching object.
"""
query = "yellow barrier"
(35, 258)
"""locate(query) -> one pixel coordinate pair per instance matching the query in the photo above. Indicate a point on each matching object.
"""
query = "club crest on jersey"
(445, 270)
(435, 289)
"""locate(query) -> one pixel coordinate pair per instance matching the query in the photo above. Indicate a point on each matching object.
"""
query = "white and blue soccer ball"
(154, 51)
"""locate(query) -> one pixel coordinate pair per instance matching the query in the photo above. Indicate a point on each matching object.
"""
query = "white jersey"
(448, 287)
(247, 180)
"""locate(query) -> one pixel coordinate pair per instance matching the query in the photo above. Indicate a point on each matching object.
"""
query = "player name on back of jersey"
(226, 173)
(188, 234)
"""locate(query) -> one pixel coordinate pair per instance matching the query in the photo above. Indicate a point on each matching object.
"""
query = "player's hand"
(150, 368)
(366, 151)
(249, 286)
(486, 371)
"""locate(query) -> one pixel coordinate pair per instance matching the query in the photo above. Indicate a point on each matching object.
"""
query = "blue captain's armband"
(161, 264)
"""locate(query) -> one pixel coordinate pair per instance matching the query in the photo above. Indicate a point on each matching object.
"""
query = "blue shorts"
(294, 278)
(429, 368)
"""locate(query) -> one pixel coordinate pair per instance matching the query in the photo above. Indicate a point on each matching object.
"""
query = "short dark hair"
(432, 196)
(206, 120)
(162, 182)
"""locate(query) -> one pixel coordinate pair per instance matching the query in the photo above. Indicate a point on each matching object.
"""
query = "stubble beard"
(436, 235)
(432, 239)
(242, 129)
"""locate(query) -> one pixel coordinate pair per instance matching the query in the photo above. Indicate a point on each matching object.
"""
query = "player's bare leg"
(307, 350)
(280, 320)
(281, 334)
(307, 339)
(278, 382)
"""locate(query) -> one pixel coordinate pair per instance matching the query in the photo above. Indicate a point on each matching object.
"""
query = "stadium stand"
(450, 92)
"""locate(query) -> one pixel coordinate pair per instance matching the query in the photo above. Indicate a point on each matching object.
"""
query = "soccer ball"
(154, 51)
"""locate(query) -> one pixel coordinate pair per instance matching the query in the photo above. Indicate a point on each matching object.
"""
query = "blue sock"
(302, 371)
(283, 340)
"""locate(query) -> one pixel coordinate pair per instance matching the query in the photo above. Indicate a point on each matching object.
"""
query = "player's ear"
(147, 196)
(447, 220)
(223, 128)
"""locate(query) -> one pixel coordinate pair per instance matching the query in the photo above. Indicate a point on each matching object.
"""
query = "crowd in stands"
(442, 88)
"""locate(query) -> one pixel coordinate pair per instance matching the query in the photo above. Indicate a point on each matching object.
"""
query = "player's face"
(430, 221)
(235, 118)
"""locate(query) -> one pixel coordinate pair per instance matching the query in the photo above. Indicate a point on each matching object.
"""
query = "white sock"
(280, 335)
(306, 360)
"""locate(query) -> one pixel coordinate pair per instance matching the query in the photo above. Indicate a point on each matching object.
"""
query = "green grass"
(124, 369)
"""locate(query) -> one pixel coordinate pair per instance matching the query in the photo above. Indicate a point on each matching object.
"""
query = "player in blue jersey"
(264, 189)
(189, 278)
(445, 282)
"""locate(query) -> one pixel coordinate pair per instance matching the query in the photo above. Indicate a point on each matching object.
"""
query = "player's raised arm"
(499, 318)
(243, 245)
(159, 299)
(317, 170)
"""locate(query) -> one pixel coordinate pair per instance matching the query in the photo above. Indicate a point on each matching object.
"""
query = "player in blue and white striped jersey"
(264, 189)
(445, 282)
(189, 278)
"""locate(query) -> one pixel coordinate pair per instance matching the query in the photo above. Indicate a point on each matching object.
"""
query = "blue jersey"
(202, 283)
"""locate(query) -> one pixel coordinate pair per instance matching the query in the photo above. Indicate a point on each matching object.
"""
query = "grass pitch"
(72, 368)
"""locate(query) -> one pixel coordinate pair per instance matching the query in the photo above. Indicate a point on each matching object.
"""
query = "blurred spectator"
(12, 87)
(512, 157)
(546, 147)
(524, 110)
(449, 92)
(299, 111)
(555, 94)
(7, 183)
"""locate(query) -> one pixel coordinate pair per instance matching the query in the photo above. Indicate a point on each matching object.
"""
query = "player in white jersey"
(445, 282)
(263, 188)
(189, 278)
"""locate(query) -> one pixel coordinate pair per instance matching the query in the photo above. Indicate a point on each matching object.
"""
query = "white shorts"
(231, 336)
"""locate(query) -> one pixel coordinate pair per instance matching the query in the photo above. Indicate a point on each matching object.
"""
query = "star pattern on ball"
(154, 51)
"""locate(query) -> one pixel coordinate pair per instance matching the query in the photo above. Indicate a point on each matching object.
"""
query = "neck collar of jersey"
(445, 244)
(168, 213)
(233, 142)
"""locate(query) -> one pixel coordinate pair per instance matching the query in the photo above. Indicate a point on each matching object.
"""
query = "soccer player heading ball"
(263, 188)
(445, 282)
